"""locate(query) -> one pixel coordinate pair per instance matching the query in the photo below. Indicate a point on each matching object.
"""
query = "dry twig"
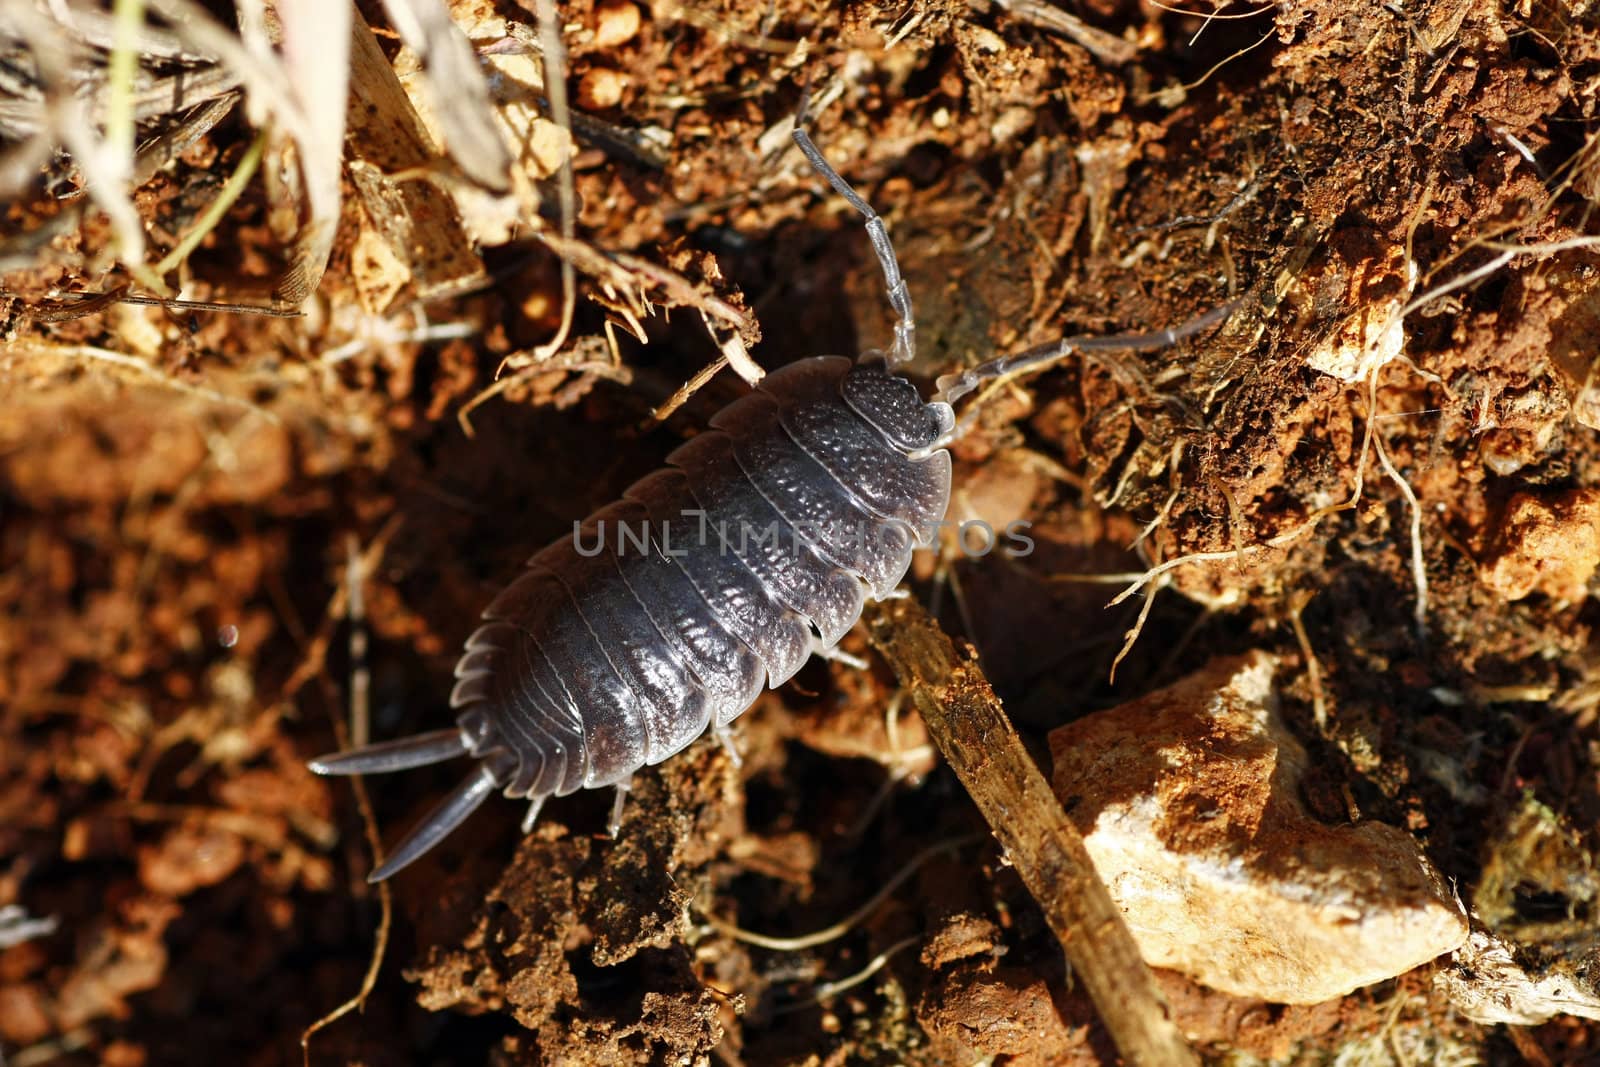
(1106, 47)
(970, 727)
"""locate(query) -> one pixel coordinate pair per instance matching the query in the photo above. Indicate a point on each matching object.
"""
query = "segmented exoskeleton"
(664, 614)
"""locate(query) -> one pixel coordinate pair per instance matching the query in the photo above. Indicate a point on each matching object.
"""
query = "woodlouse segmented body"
(666, 613)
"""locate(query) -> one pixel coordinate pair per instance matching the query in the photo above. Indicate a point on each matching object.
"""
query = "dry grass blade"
(316, 61)
(965, 719)
(293, 95)
(121, 70)
(457, 89)
(105, 164)
(148, 79)
(177, 138)
(266, 84)
(19, 165)
(76, 305)
(231, 189)
(71, 71)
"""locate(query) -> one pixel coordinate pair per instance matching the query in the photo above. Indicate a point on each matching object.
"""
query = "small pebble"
(615, 24)
(601, 88)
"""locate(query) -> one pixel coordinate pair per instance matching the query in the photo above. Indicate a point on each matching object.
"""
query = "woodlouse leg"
(451, 812)
(614, 821)
(532, 816)
(905, 340)
(725, 739)
(838, 655)
(400, 755)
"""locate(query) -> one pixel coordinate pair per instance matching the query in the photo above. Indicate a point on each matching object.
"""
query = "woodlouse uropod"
(753, 549)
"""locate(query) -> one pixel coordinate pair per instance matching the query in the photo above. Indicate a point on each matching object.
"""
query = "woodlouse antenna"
(905, 329)
(952, 387)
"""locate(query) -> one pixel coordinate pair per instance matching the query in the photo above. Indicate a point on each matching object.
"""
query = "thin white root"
(1371, 443)
(1135, 630)
(833, 989)
(1419, 573)
(552, 62)
(899, 763)
(1319, 702)
(849, 922)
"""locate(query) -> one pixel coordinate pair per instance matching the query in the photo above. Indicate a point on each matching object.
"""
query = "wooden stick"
(970, 727)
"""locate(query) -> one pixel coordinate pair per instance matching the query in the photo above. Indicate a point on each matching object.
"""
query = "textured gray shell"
(662, 616)
(668, 611)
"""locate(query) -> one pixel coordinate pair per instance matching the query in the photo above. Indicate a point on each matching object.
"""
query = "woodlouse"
(664, 614)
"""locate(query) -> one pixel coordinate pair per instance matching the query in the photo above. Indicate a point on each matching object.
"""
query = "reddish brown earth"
(174, 545)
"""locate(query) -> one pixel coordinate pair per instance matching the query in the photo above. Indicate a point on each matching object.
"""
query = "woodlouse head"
(893, 406)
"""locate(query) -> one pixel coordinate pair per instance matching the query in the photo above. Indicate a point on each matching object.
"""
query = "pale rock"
(1189, 803)
(601, 88)
(1584, 393)
(1362, 343)
(1487, 985)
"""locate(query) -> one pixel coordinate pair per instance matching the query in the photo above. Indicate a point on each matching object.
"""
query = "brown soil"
(174, 542)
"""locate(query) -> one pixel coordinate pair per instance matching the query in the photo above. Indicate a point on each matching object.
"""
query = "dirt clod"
(1548, 545)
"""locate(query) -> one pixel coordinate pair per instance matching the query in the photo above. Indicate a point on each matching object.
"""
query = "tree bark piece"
(967, 722)
(415, 218)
